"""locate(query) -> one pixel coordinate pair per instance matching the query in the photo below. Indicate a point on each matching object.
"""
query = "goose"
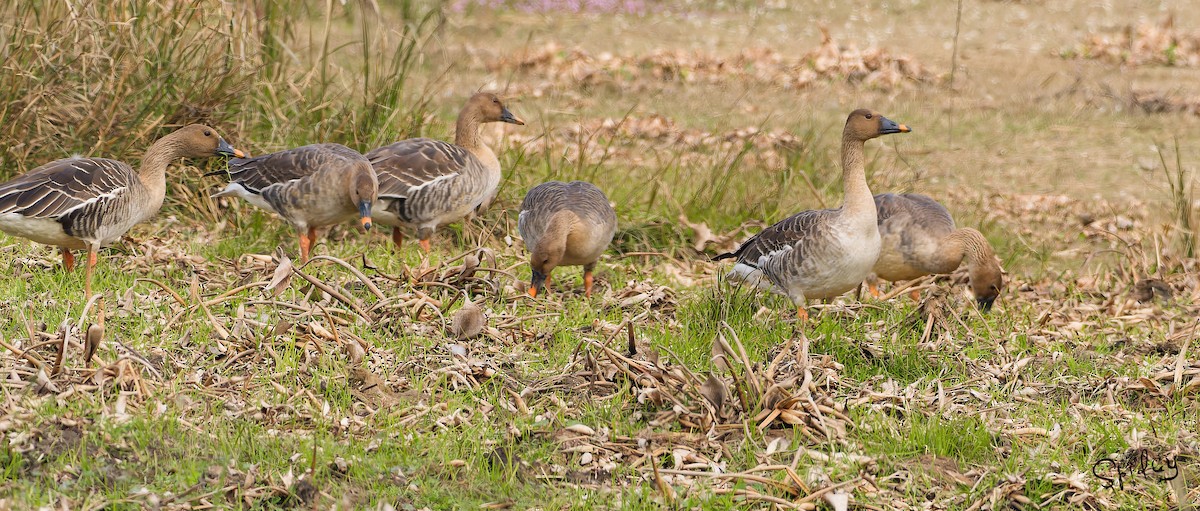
(425, 183)
(819, 254)
(565, 224)
(82, 203)
(310, 186)
(918, 238)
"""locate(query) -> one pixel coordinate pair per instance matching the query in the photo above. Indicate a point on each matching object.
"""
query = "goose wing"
(910, 214)
(63, 186)
(410, 165)
(797, 234)
(587, 201)
(259, 172)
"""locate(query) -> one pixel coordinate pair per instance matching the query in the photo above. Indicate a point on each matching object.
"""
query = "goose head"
(864, 124)
(986, 282)
(544, 259)
(364, 190)
(200, 141)
(487, 107)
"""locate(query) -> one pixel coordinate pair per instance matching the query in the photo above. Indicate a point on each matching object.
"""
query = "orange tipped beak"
(532, 292)
(903, 128)
(366, 222)
(224, 149)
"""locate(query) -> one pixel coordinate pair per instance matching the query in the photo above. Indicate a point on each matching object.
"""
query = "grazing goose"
(821, 253)
(310, 186)
(565, 224)
(87, 203)
(919, 238)
(424, 183)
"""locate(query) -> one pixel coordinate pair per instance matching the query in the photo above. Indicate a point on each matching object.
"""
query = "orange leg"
(397, 237)
(871, 288)
(587, 283)
(425, 245)
(305, 245)
(916, 295)
(801, 314)
(68, 260)
(91, 265)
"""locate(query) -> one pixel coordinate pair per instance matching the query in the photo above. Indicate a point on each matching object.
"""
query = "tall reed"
(105, 78)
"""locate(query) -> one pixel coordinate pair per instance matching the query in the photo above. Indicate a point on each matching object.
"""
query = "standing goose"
(424, 183)
(87, 203)
(919, 238)
(565, 224)
(310, 186)
(821, 253)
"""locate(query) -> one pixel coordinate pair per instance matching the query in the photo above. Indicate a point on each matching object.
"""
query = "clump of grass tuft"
(106, 78)
(1183, 194)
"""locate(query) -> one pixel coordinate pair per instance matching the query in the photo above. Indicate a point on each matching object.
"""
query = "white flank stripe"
(432, 182)
(104, 196)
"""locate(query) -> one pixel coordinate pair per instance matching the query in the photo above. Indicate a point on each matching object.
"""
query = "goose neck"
(155, 162)
(466, 130)
(854, 177)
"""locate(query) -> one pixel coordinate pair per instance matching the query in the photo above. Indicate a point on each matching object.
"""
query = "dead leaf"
(92, 341)
(715, 391)
(281, 277)
(467, 322)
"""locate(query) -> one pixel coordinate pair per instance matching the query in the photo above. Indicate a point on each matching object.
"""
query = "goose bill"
(888, 126)
(224, 149)
(508, 117)
(364, 210)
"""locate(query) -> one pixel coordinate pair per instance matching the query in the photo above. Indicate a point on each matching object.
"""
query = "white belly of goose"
(832, 266)
(838, 269)
(42, 230)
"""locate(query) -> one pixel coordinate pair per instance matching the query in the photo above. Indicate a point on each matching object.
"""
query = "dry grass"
(223, 375)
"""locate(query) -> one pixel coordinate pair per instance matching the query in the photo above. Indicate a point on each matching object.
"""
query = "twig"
(32, 358)
(228, 294)
(164, 288)
(953, 66)
(332, 292)
(753, 495)
(222, 333)
(732, 475)
(370, 285)
(814, 495)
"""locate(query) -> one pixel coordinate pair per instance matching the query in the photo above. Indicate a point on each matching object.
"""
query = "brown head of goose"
(565, 224)
(87, 203)
(821, 253)
(311, 186)
(918, 238)
(424, 183)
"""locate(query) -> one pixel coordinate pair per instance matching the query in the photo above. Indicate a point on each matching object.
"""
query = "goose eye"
(868, 116)
(207, 133)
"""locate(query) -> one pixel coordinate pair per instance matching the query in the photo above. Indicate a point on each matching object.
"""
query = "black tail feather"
(726, 255)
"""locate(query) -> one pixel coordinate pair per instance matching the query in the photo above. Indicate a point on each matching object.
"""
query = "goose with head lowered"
(819, 254)
(919, 238)
(311, 186)
(565, 224)
(87, 203)
(425, 183)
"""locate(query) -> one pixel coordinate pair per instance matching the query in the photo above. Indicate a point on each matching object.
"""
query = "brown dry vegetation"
(224, 375)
